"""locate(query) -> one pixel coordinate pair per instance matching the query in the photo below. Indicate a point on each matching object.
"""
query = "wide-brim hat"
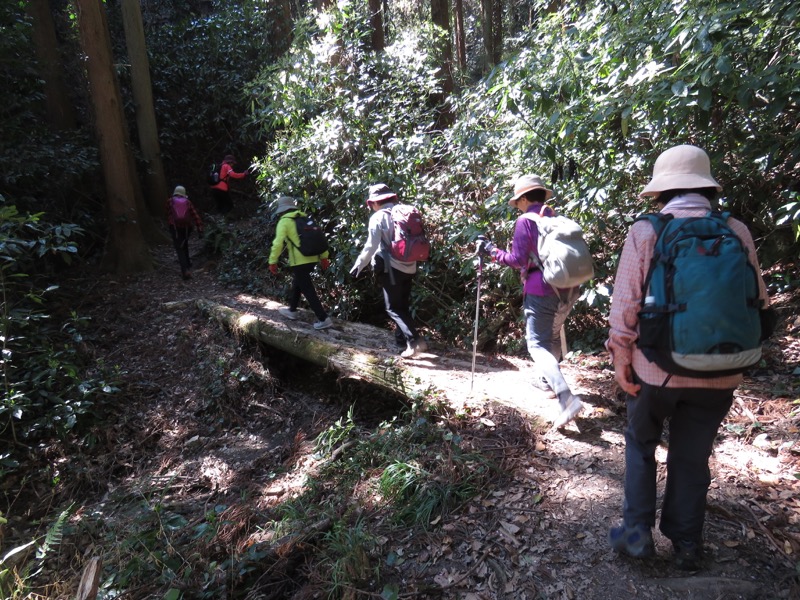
(229, 158)
(180, 191)
(380, 192)
(284, 203)
(526, 183)
(682, 167)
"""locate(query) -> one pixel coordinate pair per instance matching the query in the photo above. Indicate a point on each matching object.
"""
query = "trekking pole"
(477, 315)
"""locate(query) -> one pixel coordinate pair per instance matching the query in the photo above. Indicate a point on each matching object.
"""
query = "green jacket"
(286, 236)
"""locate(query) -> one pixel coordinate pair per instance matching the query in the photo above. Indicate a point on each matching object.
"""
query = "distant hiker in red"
(220, 191)
(181, 219)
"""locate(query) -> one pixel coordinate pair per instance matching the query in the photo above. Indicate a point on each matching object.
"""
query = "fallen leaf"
(731, 543)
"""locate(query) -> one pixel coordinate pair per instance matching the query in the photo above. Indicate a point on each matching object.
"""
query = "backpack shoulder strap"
(659, 222)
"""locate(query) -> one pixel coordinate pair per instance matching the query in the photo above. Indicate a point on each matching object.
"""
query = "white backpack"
(564, 257)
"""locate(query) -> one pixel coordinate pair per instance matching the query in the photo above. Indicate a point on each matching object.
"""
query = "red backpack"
(409, 242)
(181, 214)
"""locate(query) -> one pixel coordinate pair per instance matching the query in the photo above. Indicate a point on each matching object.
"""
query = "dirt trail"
(543, 535)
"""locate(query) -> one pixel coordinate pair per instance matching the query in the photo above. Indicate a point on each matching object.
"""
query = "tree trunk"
(126, 249)
(282, 26)
(58, 109)
(376, 22)
(155, 180)
(497, 32)
(487, 15)
(461, 36)
(440, 15)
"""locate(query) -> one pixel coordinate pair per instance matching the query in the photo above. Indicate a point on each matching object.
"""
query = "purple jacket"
(526, 241)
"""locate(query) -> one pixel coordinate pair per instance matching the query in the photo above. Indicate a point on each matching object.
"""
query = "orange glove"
(273, 269)
(325, 263)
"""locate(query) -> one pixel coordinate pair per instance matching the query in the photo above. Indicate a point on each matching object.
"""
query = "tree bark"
(497, 32)
(126, 250)
(376, 22)
(440, 15)
(155, 180)
(460, 35)
(282, 26)
(58, 109)
(487, 16)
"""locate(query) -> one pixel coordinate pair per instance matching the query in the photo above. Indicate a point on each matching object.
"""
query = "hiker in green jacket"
(301, 266)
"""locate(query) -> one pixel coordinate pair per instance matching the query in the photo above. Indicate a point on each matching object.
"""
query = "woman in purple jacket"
(546, 308)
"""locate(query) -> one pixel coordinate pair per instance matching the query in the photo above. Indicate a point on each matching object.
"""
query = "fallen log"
(347, 348)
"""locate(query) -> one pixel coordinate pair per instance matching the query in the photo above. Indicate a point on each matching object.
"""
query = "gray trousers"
(694, 417)
(544, 316)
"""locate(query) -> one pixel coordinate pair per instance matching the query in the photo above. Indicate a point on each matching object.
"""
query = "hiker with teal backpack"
(688, 315)
(306, 246)
(547, 301)
(182, 218)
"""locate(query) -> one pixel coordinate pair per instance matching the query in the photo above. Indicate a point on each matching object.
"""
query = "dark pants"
(694, 417)
(222, 198)
(397, 299)
(180, 238)
(303, 286)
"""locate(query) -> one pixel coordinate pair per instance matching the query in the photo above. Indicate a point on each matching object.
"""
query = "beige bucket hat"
(526, 183)
(285, 203)
(180, 191)
(682, 167)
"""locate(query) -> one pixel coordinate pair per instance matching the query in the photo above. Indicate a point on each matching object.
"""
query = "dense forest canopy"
(447, 105)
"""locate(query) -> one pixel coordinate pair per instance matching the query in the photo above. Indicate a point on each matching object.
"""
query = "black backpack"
(213, 174)
(312, 237)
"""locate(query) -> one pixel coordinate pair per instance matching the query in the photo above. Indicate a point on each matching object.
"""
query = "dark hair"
(382, 202)
(709, 193)
(534, 196)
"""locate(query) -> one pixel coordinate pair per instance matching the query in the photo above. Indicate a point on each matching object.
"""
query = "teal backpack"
(700, 312)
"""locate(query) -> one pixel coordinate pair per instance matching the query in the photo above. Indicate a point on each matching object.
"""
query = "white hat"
(285, 203)
(180, 191)
(680, 168)
(526, 183)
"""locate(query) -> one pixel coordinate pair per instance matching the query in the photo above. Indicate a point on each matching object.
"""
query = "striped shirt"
(625, 303)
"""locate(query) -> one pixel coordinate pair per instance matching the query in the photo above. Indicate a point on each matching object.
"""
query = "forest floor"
(208, 420)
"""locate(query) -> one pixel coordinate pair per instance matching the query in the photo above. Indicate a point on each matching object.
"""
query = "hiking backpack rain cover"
(409, 242)
(312, 237)
(181, 215)
(700, 305)
(564, 257)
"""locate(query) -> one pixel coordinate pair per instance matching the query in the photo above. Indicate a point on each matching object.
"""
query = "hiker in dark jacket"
(180, 232)
(394, 276)
(545, 308)
(220, 191)
(683, 185)
(300, 265)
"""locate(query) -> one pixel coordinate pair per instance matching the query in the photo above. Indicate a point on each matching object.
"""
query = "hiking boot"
(323, 324)
(540, 383)
(688, 555)
(633, 540)
(573, 409)
(414, 347)
(288, 313)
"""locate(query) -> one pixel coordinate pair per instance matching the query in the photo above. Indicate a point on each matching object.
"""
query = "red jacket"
(225, 172)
